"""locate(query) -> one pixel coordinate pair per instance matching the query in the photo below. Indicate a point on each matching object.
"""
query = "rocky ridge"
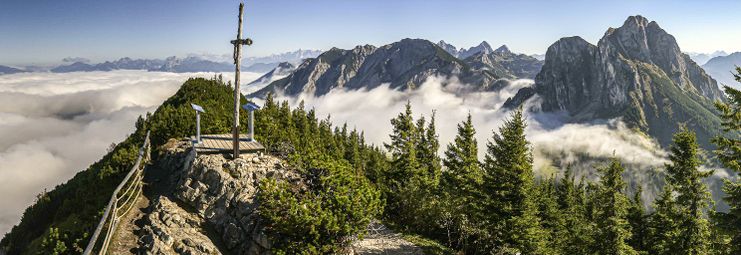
(636, 72)
(402, 65)
(208, 206)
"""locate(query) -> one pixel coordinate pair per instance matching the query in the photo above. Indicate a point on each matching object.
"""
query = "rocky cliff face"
(211, 209)
(504, 63)
(636, 72)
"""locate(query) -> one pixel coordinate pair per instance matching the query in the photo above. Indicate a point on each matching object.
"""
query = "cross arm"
(246, 41)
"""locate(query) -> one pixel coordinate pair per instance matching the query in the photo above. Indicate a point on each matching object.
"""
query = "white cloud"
(554, 141)
(550, 134)
(55, 125)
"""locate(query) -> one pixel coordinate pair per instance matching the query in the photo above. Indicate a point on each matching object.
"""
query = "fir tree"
(638, 222)
(551, 220)
(427, 147)
(692, 195)
(461, 178)
(662, 227)
(571, 203)
(729, 152)
(463, 172)
(508, 187)
(610, 213)
(403, 147)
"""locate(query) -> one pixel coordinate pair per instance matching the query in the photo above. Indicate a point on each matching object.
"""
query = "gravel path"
(381, 240)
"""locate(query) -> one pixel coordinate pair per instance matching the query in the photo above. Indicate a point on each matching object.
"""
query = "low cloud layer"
(550, 134)
(555, 142)
(55, 125)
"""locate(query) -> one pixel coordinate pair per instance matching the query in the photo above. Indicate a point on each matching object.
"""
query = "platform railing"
(122, 201)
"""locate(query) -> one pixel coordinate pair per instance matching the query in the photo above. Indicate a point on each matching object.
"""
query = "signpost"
(251, 107)
(199, 110)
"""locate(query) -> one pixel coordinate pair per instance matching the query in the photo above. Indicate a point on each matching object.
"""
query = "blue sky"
(39, 31)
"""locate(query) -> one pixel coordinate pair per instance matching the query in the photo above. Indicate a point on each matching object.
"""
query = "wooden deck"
(222, 143)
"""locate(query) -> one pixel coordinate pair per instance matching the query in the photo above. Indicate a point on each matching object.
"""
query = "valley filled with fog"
(55, 125)
(59, 124)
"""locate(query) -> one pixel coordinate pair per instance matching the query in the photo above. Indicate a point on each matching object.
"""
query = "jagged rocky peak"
(503, 49)
(448, 47)
(636, 72)
(567, 76)
(645, 41)
(483, 47)
(284, 68)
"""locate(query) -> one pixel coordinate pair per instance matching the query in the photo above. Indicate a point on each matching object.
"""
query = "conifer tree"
(637, 220)
(431, 146)
(463, 171)
(692, 195)
(461, 178)
(571, 203)
(403, 146)
(508, 187)
(662, 227)
(729, 153)
(552, 221)
(427, 147)
(610, 213)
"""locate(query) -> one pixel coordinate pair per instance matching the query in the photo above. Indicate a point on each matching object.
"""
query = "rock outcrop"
(212, 207)
(636, 72)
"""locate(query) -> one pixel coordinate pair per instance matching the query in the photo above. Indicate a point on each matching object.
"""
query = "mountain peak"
(503, 49)
(636, 20)
(485, 47)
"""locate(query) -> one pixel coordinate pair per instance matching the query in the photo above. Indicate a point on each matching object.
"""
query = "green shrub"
(321, 214)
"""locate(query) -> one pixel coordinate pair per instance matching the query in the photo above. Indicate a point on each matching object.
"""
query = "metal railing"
(121, 202)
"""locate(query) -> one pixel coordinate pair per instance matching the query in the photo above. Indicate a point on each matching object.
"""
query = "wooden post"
(237, 59)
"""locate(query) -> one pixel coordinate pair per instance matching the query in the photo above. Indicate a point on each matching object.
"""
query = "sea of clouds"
(371, 110)
(55, 125)
(556, 142)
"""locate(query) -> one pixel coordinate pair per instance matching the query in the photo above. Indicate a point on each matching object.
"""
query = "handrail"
(113, 206)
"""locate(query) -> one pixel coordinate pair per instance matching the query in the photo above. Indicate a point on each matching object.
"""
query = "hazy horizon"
(46, 32)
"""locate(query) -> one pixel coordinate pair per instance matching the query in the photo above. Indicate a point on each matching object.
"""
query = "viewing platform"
(222, 143)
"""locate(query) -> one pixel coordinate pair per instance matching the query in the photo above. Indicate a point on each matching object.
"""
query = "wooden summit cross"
(237, 59)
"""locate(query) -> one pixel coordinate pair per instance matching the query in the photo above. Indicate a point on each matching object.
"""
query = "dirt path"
(381, 240)
(125, 240)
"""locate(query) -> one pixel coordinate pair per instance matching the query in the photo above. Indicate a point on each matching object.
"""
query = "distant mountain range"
(192, 63)
(702, 58)
(282, 70)
(10, 70)
(636, 72)
(405, 65)
(722, 68)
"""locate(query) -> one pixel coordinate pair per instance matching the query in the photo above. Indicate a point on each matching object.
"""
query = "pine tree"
(662, 227)
(692, 195)
(427, 148)
(463, 173)
(637, 221)
(403, 147)
(552, 221)
(729, 152)
(571, 203)
(508, 187)
(611, 210)
(460, 180)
